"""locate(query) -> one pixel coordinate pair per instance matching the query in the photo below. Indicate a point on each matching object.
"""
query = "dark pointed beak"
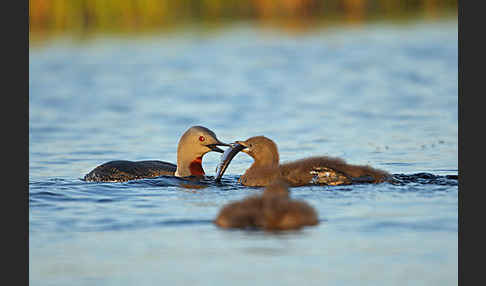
(214, 147)
(226, 158)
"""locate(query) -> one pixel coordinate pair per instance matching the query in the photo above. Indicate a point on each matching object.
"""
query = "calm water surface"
(382, 94)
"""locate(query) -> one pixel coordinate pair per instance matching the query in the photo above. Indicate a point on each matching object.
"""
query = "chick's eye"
(201, 138)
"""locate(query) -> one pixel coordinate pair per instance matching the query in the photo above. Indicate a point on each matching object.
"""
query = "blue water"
(379, 94)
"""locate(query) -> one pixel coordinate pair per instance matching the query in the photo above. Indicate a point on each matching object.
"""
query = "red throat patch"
(196, 167)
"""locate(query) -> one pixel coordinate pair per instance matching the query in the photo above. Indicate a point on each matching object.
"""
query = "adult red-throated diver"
(192, 146)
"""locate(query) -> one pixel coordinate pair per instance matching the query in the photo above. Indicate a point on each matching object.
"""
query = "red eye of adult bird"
(201, 138)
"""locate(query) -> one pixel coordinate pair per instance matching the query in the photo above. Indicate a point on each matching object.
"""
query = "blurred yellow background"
(48, 16)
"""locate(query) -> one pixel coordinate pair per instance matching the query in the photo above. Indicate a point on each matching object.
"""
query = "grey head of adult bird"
(322, 170)
(193, 144)
(272, 210)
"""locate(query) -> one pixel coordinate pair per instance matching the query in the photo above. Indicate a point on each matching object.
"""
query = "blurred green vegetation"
(47, 16)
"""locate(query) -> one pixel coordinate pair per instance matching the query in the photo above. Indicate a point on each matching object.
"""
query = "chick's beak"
(244, 147)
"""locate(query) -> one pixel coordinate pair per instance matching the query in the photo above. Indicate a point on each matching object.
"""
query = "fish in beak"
(227, 156)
